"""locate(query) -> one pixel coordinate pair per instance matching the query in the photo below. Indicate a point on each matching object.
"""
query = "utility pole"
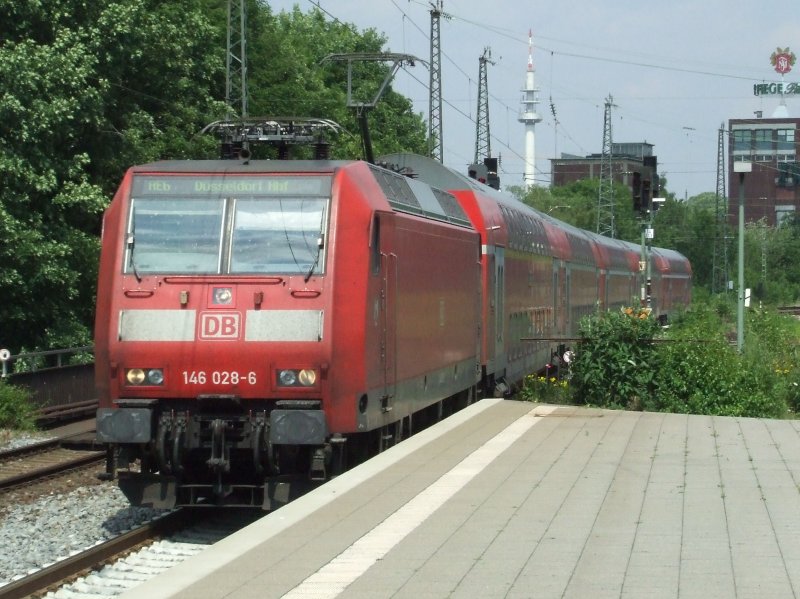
(483, 139)
(236, 60)
(719, 280)
(435, 104)
(742, 168)
(605, 194)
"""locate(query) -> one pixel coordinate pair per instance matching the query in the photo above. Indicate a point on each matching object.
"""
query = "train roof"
(425, 170)
(430, 171)
(404, 194)
(242, 166)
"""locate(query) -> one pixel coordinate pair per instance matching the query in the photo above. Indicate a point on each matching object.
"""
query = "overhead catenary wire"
(562, 95)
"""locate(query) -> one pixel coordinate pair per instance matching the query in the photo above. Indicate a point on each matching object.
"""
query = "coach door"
(560, 299)
(388, 310)
(498, 296)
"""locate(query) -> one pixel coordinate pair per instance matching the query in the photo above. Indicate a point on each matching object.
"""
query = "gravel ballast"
(36, 534)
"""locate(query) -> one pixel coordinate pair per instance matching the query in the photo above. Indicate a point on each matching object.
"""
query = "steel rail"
(62, 571)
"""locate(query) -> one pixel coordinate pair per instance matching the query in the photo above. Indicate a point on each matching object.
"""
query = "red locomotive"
(263, 322)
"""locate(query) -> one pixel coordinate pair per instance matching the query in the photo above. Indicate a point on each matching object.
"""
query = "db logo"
(219, 325)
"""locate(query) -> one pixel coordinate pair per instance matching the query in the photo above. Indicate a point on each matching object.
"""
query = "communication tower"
(529, 117)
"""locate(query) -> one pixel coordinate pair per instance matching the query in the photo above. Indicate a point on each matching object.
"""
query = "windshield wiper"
(320, 245)
(131, 261)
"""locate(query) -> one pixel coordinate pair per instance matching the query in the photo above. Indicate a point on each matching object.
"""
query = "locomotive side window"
(375, 243)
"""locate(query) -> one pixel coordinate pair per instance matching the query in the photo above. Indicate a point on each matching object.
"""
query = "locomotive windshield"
(227, 225)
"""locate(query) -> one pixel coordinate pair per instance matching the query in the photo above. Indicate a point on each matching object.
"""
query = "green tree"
(690, 228)
(576, 204)
(88, 90)
(299, 81)
(779, 250)
(92, 88)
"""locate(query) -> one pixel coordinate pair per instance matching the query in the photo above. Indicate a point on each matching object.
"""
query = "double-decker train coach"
(541, 276)
(263, 323)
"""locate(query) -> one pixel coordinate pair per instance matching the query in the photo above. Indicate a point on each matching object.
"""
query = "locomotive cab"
(261, 325)
(212, 296)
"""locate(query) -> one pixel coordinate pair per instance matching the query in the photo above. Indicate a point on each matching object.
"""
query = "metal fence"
(50, 376)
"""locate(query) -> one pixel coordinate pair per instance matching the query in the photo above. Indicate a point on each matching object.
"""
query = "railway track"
(30, 464)
(116, 565)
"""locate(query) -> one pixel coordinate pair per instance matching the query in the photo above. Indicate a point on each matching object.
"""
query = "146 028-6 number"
(219, 377)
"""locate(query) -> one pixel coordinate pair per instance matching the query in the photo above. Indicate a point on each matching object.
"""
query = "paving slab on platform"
(511, 499)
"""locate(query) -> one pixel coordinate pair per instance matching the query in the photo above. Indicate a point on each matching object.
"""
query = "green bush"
(626, 361)
(708, 376)
(16, 410)
(614, 362)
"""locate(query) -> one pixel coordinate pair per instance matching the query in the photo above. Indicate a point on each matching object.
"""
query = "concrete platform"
(510, 499)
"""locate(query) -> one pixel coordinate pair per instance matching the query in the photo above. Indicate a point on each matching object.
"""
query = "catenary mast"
(529, 117)
(483, 136)
(435, 111)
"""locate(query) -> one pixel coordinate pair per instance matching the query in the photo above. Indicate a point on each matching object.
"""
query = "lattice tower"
(605, 193)
(719, 263)
(483, 140)
(236, 60)
(435, 115)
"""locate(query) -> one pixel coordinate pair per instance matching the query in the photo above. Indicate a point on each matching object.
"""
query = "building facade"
(632, 164)
(771, 187)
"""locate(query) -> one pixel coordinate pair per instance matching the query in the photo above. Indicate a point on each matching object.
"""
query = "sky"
(677, 71)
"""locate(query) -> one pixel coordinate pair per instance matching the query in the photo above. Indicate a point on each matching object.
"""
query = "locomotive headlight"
(305, 377)
(222, 295)
(141, 376)
(135, 376)
(287, 378)
(155, 376)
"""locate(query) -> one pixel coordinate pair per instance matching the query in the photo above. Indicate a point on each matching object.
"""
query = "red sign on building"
(783, 60)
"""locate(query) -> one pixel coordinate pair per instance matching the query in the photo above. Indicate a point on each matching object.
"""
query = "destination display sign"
(233, 186)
